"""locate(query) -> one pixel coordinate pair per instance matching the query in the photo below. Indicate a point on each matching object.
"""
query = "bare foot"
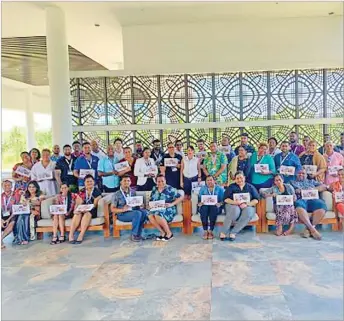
(3, 246)
(24, 243)
(210, 235)
(316, 235)
(289, 231)
(205, 235)
(279, 231)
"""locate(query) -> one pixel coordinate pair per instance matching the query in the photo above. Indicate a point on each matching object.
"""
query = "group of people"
(83, 172)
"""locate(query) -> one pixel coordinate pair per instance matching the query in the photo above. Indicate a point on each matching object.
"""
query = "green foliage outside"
(14, 142)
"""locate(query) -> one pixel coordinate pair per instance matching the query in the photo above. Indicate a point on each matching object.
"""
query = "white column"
(30, 125)
(58, 75)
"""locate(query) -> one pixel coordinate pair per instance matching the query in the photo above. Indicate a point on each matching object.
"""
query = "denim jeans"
(241, 217)
(136, 217)
(208, 216)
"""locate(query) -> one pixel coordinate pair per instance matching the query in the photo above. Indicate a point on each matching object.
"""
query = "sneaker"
(160, 238)
(135, 238)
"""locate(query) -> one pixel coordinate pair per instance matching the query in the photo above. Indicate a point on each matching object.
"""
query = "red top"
(131, 173)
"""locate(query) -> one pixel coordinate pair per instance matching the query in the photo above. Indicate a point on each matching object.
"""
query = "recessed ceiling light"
(97, 25)
(331, 13)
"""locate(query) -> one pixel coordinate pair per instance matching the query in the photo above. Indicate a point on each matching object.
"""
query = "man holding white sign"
(129, 208)
(107, 171)
(287, 163)
(317, 207)
(210, 201)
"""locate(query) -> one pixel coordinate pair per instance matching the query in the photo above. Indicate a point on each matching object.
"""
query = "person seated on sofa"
(238, 208)
(315, 206)
(8, 220)
(136, 215)
(87, 196)
(209, 212)
(285, 214)
(336, 187)
(160, 218)
(64, 198)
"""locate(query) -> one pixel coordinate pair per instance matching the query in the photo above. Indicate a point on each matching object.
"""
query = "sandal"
(71, 241)
(78, 242)
(62, 239)
(205, 235)
(210, 235)
(54, 241)
(223, 237)
(232, 237)
(316, 235)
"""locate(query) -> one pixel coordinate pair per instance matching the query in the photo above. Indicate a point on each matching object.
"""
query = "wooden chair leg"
(259, 228)
(39, 235)
(335, 226)
(116, 232)
(340, 224)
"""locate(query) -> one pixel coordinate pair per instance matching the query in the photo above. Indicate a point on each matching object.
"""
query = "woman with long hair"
(35, 155)
(25, 227)
(21, 172)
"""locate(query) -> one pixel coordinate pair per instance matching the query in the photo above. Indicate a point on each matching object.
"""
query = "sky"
(11, 118)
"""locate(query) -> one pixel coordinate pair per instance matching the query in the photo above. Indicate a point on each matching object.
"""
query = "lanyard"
(282, 160)
(260, 160)
(148, 163)
(213, 193)
(69, 163)
(86, 196)
(213, 158)
(65, 199)
(89, 162)
(7, 202)
(125, 197)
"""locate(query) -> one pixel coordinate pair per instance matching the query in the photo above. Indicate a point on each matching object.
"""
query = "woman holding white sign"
(170, 166)
(160, 218)
(337, 188)
(21, 172)
(334, 162)
(25, 226)
(146, 171)
(262, 168)
(190, 171)
(283, 197)
(209, 211)
(313, 159)
(66, 199)
(241, 199)
(43, 172)
(239, 163)
(128, 157)
(90, 195)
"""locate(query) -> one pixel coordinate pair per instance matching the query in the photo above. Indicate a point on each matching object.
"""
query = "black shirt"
(66, 166)
(235, 189)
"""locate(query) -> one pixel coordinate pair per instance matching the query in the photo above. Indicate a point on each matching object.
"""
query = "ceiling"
(102, 47)
(24, 59)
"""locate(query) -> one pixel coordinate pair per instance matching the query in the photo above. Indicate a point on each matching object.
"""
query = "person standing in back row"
(295, 147)
(244, 143)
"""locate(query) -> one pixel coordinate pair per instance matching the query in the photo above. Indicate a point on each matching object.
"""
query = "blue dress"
(169, 194)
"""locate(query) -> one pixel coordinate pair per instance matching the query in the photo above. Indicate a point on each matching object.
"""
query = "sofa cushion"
(272, 216)
(220, 218)
(48, 222)
(178, 218)
(45, 207)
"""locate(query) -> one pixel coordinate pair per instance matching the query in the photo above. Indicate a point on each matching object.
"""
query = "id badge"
(70, 173)
(6, 214)
(174, 169)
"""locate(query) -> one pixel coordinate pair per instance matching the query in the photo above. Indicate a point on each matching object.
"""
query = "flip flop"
(71, 242)
(78, 242)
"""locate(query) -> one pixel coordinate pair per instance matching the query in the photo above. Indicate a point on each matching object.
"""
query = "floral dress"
(285, 214)
(213, 163)
(169, 195)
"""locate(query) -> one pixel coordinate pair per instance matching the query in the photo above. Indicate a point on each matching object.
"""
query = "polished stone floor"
(258, 277)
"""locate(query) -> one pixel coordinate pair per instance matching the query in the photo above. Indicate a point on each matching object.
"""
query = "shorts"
(311, 205)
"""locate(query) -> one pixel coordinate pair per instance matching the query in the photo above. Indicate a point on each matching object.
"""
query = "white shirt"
(118, 155)
(181, 153)
(190, 167)
(100, 154)
(48, 186)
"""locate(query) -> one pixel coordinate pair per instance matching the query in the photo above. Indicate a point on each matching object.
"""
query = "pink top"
(336, 159)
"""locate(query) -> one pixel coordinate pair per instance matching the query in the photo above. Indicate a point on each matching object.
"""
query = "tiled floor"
(258, 277)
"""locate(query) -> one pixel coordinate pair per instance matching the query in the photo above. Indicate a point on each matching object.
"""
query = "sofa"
(269, 216)
(100, 223)
(118, 226)
(196, 218)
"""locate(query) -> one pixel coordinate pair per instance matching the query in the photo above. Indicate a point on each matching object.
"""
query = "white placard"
(22, 171)
(287, 170)
(209, 199)
(201, 155)
(284, 199)
(44, 176)
(134, 201)
(170, 162)
(58, 209)
(261, 168)
(121, 166)
(153, 169)
(84, 208)
(196, 186)
(333, 170)
(157, 206)
(20, 209)
(310, 194)
(242, 197)
(310, 169)
(339, 197)
(84, 172)
(225, 149)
